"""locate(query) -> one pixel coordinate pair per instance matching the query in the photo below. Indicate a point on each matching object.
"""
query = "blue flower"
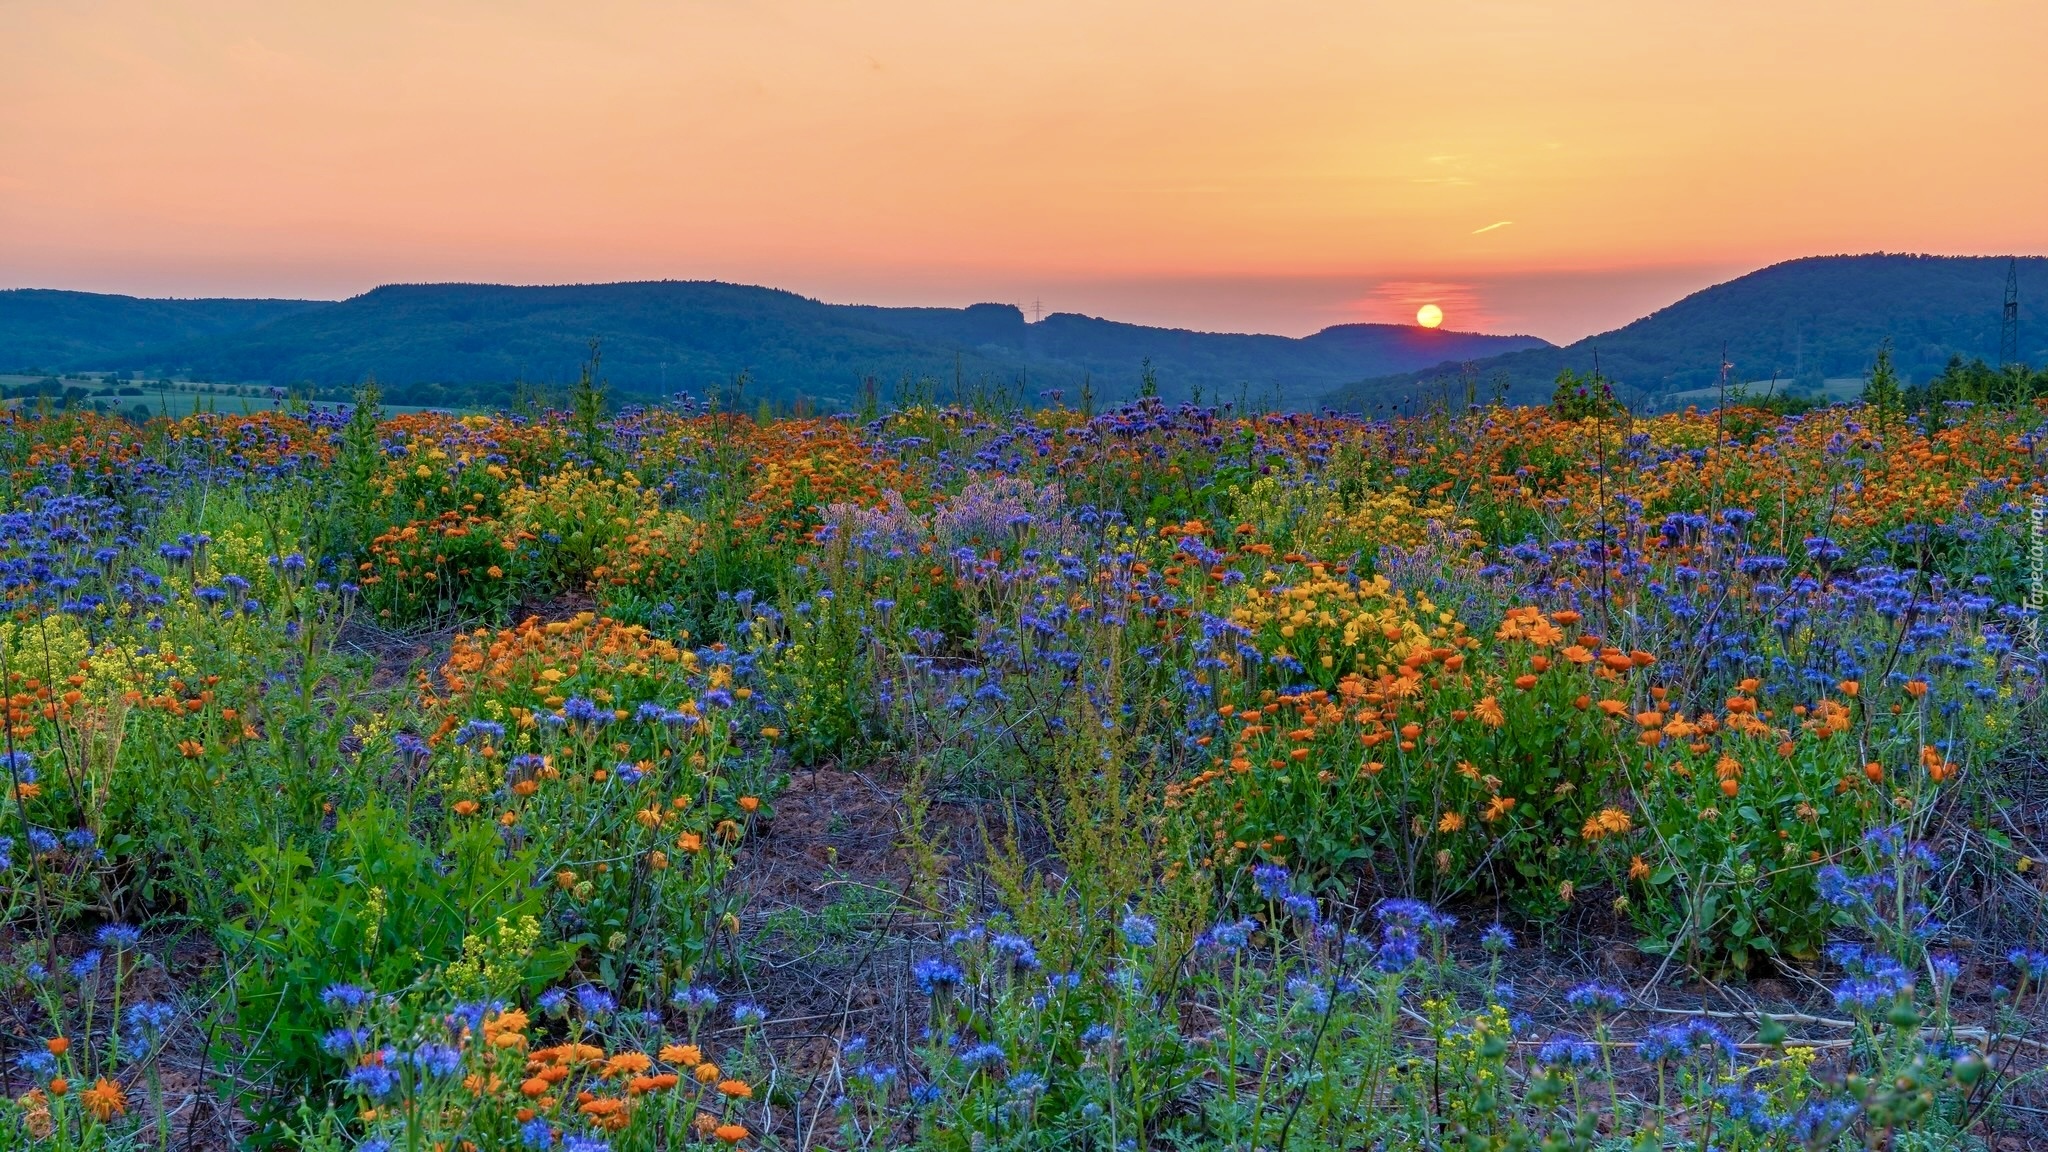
(1497, 939)
(1272, 881)
(1140, 932)
(345, 1041)
(435, 1059)
(118, 937)
(537, 1133)
(2032, 965)
(1567, 1052)
(489, 731)
(983, 1056)
(1398, 952)
(148, 1018)
(1229, 937)
(1597, 999)
(1017, 950)
(1313, 995)
(748, 1014)
(343, 997)
(595, 1002)
(1412, 914)
(933, 975)
(372, 1080)
(695, 1001)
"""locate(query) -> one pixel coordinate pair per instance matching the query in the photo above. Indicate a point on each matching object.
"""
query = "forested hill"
(473, 343)
(1802, 322)
(43, 329)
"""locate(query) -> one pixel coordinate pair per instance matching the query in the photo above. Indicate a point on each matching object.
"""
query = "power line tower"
(2009, 321)
(1037, 311)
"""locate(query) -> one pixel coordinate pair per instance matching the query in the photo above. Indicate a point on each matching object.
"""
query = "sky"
(1554, 168)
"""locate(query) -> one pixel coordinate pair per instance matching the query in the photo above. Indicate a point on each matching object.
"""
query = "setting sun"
(1429, 315)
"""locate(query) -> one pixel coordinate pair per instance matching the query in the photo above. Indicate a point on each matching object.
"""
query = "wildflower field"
(986, 777)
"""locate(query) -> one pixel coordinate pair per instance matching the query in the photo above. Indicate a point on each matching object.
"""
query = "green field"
(182, 398)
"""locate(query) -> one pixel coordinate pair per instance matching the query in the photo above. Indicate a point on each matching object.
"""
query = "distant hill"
(1803, 322)
(44, 329)
(1065, 347)
(442, 343)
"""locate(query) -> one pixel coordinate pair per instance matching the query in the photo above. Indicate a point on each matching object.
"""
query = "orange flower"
(57, 1045)
(465, 807)
(1608, 822)
(686, 1055)
(736, 1089)
(706, 1073)
(731, 1133)
(627, 1064)
(1916, 688)
(750, 803)
(1451, 822)
(1637, 870)
(104, 1100)
(59, 1086)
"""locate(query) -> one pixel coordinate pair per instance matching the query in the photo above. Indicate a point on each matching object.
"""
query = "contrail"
(1491, 227)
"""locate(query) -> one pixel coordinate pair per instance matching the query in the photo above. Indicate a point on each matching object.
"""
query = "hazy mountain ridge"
(471, 342)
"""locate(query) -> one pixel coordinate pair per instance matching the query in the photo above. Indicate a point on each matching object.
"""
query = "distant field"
(1832, 389)
(179, 401)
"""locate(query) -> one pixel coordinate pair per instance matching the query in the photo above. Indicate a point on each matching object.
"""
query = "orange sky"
(1272, 166)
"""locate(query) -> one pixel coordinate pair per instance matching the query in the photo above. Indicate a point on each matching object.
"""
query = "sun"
(1429, 315)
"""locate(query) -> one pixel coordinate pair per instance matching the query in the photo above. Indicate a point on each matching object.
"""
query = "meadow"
(1002, 777)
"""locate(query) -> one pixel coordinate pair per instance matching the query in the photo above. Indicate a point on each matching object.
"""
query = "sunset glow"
(1216, 165)
(1429, 315)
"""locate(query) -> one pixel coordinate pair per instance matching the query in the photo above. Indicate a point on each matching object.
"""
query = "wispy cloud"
(1492, 226)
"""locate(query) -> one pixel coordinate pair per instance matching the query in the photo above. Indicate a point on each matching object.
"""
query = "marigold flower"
(731, 1133)
(706, 1073)
(750, 803)
(104, 1100)
(57, 1045)
(627, 1063)
(686, 1055)
(736, 1089)
(1451, 822)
